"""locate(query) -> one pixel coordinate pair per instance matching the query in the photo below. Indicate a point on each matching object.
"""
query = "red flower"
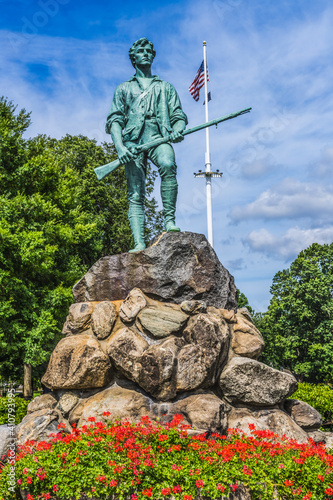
(166, 491)
(234, 487)
(147, 493)
(134, 497)
(247, 470)
(29, 480)
(221, 487)
(91, 419)
(19, 481)
(177, 489)
(288, 483)
(113, 483)
(61, 426)
(187, 497)
(55, 488)
(30, 497)
(329, 492)
(199, 484)
(106, 414)
(321, 478)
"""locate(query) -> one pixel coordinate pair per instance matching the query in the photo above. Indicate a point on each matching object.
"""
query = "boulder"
(161, 321)
(120, 402)
(78, 319)
(67, 402)
(204, 412)
(304, 415)
(7, 440)
(39, 425)
(78, 362)
(132, 305)
(42, 402)
(208, 339)
(158, 369)
(103, 319)
(329, 441)
(275, 420)
(318, 436)
(246, 381)
(176, 267)
(125, 349)
(247, 341)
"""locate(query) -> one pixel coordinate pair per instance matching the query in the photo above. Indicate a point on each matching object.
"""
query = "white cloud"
(290, 199)
(288, 245)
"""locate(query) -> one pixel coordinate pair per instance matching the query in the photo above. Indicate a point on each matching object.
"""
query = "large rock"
(161, 321)
(39, 425)
(247, 341)
(78, 362)
(304, 415)
(177, 267)
(208, 339)
(250, 382)
(103, 319)
(132, 305)
(7, 440)
(120, 402)
(204, 412)
(78, 319)
(273, 419)
(125, 349)
(158, 369)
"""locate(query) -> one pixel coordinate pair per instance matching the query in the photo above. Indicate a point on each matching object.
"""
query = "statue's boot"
(169, 193)
(137, 223)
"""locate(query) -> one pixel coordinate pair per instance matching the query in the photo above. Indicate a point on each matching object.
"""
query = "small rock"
(77, 363)
(193, 306)
(42, 402)
(125, 349)
(273, 419)
(329, 441)
(304, 415)
(67, 402)
(121, 403)
(161, 321)
(132, 305)
(78, 319)
(103, 319)
(248, 381)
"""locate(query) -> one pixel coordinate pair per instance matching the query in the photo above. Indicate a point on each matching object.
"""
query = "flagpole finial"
(204, 43)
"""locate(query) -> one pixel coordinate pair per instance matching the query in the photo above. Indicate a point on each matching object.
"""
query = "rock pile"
(158, 333)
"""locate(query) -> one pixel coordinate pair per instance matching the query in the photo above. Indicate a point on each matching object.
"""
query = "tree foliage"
(298, 326)
(56, 220)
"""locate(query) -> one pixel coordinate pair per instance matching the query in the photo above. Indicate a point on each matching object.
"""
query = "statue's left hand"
(176, 137)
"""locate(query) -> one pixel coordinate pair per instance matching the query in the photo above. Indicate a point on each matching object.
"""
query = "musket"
(105, 170)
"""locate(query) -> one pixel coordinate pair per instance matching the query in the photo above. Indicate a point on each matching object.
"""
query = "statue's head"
(142, 42)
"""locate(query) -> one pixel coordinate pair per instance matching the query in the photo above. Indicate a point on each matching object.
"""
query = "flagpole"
(207, 158)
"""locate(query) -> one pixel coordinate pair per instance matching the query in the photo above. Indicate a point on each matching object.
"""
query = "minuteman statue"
(145, 108)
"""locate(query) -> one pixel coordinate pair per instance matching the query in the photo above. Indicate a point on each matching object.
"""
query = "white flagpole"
(207, 159)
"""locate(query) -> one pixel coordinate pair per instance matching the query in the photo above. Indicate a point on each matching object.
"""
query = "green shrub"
(319, 396)
(19, 410)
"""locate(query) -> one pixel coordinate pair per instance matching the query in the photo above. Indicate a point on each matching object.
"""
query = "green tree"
(298, 326)
(56, 220)
(243, 301)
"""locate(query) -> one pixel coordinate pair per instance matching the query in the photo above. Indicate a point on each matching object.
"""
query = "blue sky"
(62, 59)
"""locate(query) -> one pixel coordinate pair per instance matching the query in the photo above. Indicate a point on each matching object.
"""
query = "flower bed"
(149, 460)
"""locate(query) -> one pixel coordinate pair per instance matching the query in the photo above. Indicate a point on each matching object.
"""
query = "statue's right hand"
(125, 155)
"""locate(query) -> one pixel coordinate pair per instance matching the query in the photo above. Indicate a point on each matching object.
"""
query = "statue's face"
(143, 56)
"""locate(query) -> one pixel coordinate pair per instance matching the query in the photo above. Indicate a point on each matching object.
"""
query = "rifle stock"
(105, 170)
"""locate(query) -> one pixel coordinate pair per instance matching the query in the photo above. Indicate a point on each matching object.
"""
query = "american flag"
(198, 82)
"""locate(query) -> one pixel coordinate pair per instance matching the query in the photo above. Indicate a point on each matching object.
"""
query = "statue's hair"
(140, 43)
